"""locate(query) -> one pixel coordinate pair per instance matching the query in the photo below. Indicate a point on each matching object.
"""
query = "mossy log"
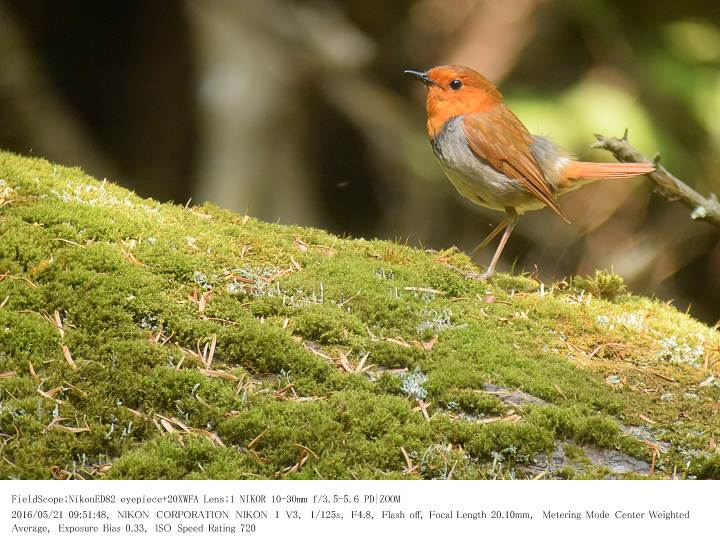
(147, 340)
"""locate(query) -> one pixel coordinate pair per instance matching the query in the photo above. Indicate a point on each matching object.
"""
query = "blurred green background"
(298, 112)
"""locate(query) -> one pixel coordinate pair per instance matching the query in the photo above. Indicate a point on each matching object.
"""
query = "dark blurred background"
(298, 112)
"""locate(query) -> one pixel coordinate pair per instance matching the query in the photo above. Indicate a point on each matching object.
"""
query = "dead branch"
(671, 188)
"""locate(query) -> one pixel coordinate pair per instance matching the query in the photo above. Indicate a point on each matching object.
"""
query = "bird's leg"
(511, 218)
(491, 236)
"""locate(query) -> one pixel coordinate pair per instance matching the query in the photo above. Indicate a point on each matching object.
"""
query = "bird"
(493, 160)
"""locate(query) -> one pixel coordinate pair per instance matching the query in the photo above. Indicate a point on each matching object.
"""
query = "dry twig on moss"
(670, 187)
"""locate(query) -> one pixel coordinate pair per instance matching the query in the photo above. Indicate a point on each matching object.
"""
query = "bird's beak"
(422, 76)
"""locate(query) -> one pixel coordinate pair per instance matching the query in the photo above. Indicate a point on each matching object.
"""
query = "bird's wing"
(500, 138)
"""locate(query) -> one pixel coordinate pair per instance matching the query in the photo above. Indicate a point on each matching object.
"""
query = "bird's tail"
(578, 170)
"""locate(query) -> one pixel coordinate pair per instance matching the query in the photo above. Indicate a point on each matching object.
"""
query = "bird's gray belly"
(474, 178)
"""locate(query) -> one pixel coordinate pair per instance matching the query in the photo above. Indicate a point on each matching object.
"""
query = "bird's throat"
(441, 108)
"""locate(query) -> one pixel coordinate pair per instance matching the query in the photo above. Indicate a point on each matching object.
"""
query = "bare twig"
(670, 187)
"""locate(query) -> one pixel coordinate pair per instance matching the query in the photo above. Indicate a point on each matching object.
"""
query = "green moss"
(178, 457)
(197, 343)
(326, 324)
(469, 401)
(708, 467)
(603, 284)
(389, 354)
(577, 424)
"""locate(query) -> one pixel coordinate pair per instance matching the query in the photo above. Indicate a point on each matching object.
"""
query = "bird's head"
(455, 90)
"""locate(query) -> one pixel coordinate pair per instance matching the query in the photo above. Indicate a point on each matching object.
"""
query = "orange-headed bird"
(492, 159)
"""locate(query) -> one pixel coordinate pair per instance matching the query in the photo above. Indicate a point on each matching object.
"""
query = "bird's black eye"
(456, 84)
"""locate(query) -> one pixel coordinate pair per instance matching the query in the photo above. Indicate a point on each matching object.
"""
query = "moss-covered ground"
(145, 340)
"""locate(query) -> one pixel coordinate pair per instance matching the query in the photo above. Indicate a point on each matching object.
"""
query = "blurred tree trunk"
(39, 115)
(250, 113)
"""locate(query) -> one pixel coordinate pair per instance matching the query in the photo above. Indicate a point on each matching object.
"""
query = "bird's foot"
(486, 276)
(473, 275)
